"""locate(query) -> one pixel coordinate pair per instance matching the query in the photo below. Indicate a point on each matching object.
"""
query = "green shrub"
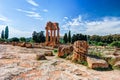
(22, 39)
(14, 39)
(115, 44)
(55, 50)
(100, 44)
(2, 40)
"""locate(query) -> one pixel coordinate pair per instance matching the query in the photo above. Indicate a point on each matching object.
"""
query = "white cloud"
(4, 19)
(32, 2)
(65, 17)
(13, 32)
(32, 14)
(108, 25)
(45, 10)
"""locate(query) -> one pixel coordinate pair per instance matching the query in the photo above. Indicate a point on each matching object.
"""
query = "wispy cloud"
(107, 25)
(45, 10)
(65, 17)
(32, 2)
(31, 14)
(4, 19)
(13, 32)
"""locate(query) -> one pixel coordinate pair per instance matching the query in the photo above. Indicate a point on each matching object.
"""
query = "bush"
(14, 39)
(116, 44)
(2, 40)
(55, 50)
(22, 39)
(100, 44)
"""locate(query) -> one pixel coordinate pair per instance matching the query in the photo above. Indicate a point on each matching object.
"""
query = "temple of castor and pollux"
(52, 34)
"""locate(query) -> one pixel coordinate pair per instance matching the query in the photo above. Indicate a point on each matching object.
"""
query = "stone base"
(96, 63)
(48, 53)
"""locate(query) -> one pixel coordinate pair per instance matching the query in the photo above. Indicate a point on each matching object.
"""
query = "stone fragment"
(64, 50)
(117, 65)
(40, 57)
(48, 53)
(96, 63)
(28, 45)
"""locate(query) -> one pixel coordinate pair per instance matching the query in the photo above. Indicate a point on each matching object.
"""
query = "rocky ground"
(17, 63)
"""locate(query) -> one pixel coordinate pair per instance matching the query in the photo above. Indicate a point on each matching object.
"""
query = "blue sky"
(80, 16)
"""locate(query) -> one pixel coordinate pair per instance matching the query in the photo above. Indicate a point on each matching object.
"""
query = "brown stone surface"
(40, 57)
(96, 63)
(117, 64)
(22, 44)
(37, 45)
(24, 66)
(80, 49)
(48, 53)
(28, 45)
(64, 49)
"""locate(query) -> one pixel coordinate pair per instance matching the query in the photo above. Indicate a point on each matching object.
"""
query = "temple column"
(54, 35)
(58, 36)
(50, 35)
(47, 35)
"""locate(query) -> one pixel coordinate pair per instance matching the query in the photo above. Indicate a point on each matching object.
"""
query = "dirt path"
(18, 63)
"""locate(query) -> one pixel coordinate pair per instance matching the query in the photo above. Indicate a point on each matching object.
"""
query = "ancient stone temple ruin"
(52, 34)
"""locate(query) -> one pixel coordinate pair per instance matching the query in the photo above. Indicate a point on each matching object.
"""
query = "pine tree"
(6, 32)
(65, 38)
(2, 34)
(69, 36)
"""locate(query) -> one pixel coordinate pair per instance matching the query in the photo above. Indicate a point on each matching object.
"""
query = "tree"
(65, 38)
(14, 39)
(6, 32)
(38, 37)
(2, 34)
(69, 36)
(116, 44)
(22, 39)
(74, 38)
(34, 36)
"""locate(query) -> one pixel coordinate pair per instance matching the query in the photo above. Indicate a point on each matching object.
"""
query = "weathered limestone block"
(62, 50)
(80, 49)
(48, 53)
(96, 63)
(108, 52)
(37, 45)
(40, 57)
(14, 43)
(75, 57)
(111, 59)
(116, 53)
(28, 45)
(117, 64)
(22, 44)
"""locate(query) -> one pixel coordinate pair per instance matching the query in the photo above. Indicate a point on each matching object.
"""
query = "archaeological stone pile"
(78, 52)
(80, 49)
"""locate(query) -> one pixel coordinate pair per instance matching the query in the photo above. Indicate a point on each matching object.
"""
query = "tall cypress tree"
(2, 34)
(65, 38)
(69, 36)
(6, 32)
